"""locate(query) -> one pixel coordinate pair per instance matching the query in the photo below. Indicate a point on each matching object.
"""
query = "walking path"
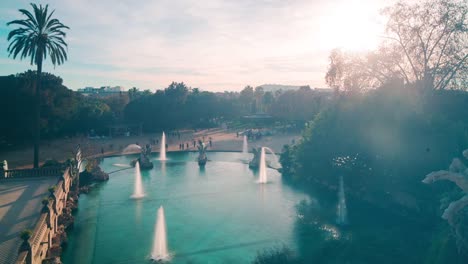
(61, 149)
(20, 206)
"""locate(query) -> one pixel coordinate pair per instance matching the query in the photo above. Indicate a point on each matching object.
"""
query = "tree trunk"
(37, 119)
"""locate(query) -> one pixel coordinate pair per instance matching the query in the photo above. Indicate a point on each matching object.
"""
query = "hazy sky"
(212, 44)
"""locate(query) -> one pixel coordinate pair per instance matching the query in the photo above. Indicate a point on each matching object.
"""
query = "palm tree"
(36, 36)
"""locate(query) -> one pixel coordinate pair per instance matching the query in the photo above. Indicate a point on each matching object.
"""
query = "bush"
(26, 234)
(45, 201)
(52, 189)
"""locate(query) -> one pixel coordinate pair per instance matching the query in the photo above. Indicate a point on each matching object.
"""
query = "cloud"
(211, 44)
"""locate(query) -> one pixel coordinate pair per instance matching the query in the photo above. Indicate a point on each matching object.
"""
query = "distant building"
(104, 91)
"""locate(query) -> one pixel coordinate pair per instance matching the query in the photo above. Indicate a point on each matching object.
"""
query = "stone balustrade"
(47, 226)
(31, 173)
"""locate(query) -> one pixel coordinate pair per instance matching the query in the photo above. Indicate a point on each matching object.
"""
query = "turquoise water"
(216, 215)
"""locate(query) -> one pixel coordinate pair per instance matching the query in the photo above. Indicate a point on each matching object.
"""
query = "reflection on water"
(138, 207)
(332, 231)
(216, 215)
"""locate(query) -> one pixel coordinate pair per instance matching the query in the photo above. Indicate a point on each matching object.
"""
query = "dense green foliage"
(178, 106)
(67, 113)
(63, 112)
(384, 142)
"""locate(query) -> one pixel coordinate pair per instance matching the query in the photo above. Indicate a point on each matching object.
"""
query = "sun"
(351, 25)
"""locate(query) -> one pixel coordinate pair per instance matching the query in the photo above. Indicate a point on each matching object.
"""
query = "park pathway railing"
(32, 173)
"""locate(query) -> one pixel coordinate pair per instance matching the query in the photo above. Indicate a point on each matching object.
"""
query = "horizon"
(217, 46)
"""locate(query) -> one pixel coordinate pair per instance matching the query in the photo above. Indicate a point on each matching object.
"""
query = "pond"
(216, 215)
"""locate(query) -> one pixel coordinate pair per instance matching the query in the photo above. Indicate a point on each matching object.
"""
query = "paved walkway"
(61, 149)
(20, 205)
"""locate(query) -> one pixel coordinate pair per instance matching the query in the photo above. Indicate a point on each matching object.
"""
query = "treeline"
(179, 106)
(63, 111)
(67, 113)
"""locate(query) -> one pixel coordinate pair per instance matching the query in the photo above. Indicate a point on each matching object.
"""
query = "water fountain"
(159, 252)
(121, 165)
(275, 158)
(132, 148)
(162, 152)
(262, 167)
(245, 146)
(342, 213)
(138, 189)
(144, 159)
(256, 160)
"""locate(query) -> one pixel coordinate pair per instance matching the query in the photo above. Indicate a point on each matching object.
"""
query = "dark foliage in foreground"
(384, 142)
(282, 255)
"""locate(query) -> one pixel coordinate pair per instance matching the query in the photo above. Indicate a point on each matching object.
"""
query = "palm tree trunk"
(37, 119)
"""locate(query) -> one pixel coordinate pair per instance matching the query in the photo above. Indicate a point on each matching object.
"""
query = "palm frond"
(38, 36)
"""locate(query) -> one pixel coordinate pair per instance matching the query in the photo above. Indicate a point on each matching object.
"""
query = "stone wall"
(37, 248)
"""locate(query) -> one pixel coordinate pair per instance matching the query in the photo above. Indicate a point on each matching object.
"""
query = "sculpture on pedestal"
(255, 162)
(458, 174)
(145, 163)
(202, 159)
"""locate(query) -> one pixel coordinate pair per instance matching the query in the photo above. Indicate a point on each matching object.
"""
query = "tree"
(431, 39)
(36, 36)
(259, 92)
(268, 99)
(426, 45)
(133, 93)
(352, 72)
(177, 91)
(246, 97)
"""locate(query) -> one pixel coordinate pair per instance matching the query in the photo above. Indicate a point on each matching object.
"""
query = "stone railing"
(46, 227)
(31, 173)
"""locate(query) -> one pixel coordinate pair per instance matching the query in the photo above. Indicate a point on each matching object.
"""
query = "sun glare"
(350, 25)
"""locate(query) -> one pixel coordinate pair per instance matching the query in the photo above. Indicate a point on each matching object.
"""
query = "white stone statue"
(202, 159)
(457, 173)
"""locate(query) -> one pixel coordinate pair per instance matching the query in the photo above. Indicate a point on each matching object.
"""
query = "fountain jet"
(262, 167)
(342, 213)
(162, 152)
(132, 148)
(245, 146)
(138, 189)
(275, 158)
(160, 252)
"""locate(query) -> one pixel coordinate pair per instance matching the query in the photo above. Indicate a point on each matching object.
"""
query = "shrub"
(45, 201)
(52, 189)
(26, 234)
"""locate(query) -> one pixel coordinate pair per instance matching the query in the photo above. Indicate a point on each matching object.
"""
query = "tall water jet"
(245, 146)
(162, 152)
(160, 252)
(275, 158)
(262, 167)
(138, 188)
(342, 213)
(132, 148)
